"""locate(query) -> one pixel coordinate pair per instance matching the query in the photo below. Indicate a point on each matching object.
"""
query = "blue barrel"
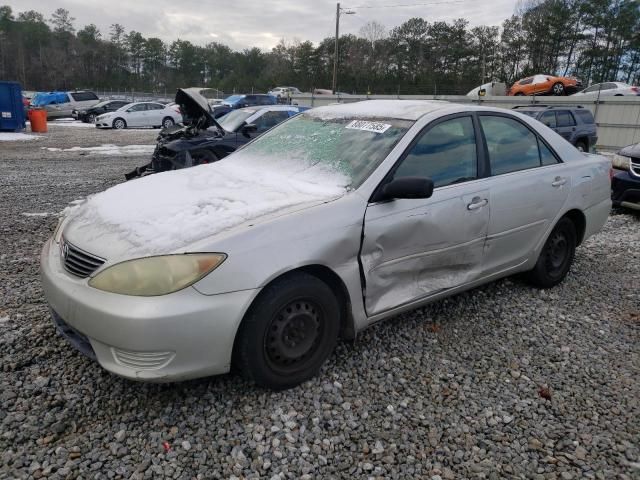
(11, 107)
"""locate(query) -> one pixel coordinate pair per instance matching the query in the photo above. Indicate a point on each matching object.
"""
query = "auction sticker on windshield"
(368, 126)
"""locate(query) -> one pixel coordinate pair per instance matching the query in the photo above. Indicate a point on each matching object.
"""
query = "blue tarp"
(41, 99)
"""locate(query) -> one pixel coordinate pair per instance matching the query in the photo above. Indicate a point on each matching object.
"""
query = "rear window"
(84, 96)
(585, 116)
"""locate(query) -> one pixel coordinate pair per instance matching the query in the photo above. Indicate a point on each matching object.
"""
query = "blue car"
(252, 100)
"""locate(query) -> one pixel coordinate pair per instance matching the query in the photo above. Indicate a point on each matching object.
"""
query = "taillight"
(635, 90)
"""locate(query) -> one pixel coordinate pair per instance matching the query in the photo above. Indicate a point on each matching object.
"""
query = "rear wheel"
(558, 89)
(582, 145)
(556, 256)
(289, 332)
(119, 124)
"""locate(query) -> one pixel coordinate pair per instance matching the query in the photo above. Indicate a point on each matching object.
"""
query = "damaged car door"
(414, 248)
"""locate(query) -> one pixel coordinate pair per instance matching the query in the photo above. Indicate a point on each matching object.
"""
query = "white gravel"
(501, 382)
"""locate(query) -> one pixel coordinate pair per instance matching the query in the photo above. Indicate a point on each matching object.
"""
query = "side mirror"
(408, 187)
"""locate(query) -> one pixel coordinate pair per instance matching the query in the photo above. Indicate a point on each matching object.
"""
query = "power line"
(407, 4)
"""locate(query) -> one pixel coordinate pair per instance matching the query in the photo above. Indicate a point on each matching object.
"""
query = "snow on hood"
(168, 211)
(400, 109)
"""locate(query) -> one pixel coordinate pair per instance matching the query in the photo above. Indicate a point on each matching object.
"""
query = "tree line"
(595, 40)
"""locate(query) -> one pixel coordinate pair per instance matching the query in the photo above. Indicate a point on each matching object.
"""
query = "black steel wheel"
(556, 256)
(288, 332)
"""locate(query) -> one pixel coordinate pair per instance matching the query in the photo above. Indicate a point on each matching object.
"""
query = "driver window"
(270, 120)
(446, 153)
(138, 108)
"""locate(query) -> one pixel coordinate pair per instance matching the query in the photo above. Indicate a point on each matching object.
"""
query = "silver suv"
(66, 103)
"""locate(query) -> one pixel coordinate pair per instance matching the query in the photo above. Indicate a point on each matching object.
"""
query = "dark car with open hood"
(203, 139)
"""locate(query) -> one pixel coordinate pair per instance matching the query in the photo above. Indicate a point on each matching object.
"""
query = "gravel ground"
(502, 382)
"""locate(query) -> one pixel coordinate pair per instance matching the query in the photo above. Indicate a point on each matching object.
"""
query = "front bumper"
(625, 191)
(167, 338)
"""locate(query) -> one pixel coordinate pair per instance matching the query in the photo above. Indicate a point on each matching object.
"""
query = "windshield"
(232, 120)
(344, 145)
(531, 113)
(233, 99)
(102, 104)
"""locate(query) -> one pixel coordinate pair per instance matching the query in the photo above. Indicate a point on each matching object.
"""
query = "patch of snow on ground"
(39, 214)
(108, 149)
(12, 137)
(70, 122)
(168, 211)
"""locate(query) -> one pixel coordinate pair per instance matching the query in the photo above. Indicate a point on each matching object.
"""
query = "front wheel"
(168, 122)
(91, 118)
(558, 89)
(119, 124)
(582, 146)
(556, 256)
(289, 332)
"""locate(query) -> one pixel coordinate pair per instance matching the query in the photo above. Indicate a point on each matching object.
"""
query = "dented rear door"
(415, 248)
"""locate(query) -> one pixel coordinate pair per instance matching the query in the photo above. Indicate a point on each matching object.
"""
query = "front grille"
(77, 261)
(635, 167)
(142, 360)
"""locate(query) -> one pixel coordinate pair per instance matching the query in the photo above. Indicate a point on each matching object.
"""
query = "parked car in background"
(62, 104)
(284, 92)
(545, 85)
(625, 185)
(574, 123)
(241, 101)
(140, 114)
(89, 115)
(608, 89)
(330, 222)
(202, 139)
(220, 110)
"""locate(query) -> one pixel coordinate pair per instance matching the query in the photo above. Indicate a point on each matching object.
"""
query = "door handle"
(558, 182)
(477, 203)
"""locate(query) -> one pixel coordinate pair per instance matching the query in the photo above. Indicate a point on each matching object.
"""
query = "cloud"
(254, 23)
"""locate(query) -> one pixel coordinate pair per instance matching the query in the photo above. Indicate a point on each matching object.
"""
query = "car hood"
(631, 151)
(168, 212)
(194, 106)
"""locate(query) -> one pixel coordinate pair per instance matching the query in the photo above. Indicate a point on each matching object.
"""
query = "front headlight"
(620, 162)
(152, 276)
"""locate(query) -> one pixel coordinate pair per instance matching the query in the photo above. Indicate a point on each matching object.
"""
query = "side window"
(592, 88)
(609, 86)
(446, 153)
(565, 119)
(549, 119)
(84, 96)
(249, 100)
(154, 106)
(546, 156)
(141, 107)
(526, 81)
(512, 146)
(585, 116)
(270, 120)
(265, 100)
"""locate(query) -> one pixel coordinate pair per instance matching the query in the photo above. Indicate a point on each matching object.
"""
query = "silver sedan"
(336, 219)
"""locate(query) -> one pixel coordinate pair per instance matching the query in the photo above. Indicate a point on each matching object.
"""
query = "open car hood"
(195, 108)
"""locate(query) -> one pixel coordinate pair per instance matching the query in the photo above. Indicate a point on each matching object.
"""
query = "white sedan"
(140, 114)
(609, 89)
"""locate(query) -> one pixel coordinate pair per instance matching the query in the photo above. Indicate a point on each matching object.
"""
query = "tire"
(582, 145)
(288, 333)
(558, 89)
(202, 157)
(91, 118)
(168, 122)
(119, 124)
(556, 256)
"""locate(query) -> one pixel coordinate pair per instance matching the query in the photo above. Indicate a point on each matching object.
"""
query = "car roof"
(400, 109)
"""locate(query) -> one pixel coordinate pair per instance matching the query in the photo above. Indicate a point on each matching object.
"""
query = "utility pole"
(335, 51)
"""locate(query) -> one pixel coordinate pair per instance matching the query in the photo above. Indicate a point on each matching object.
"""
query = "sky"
(260, 23)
